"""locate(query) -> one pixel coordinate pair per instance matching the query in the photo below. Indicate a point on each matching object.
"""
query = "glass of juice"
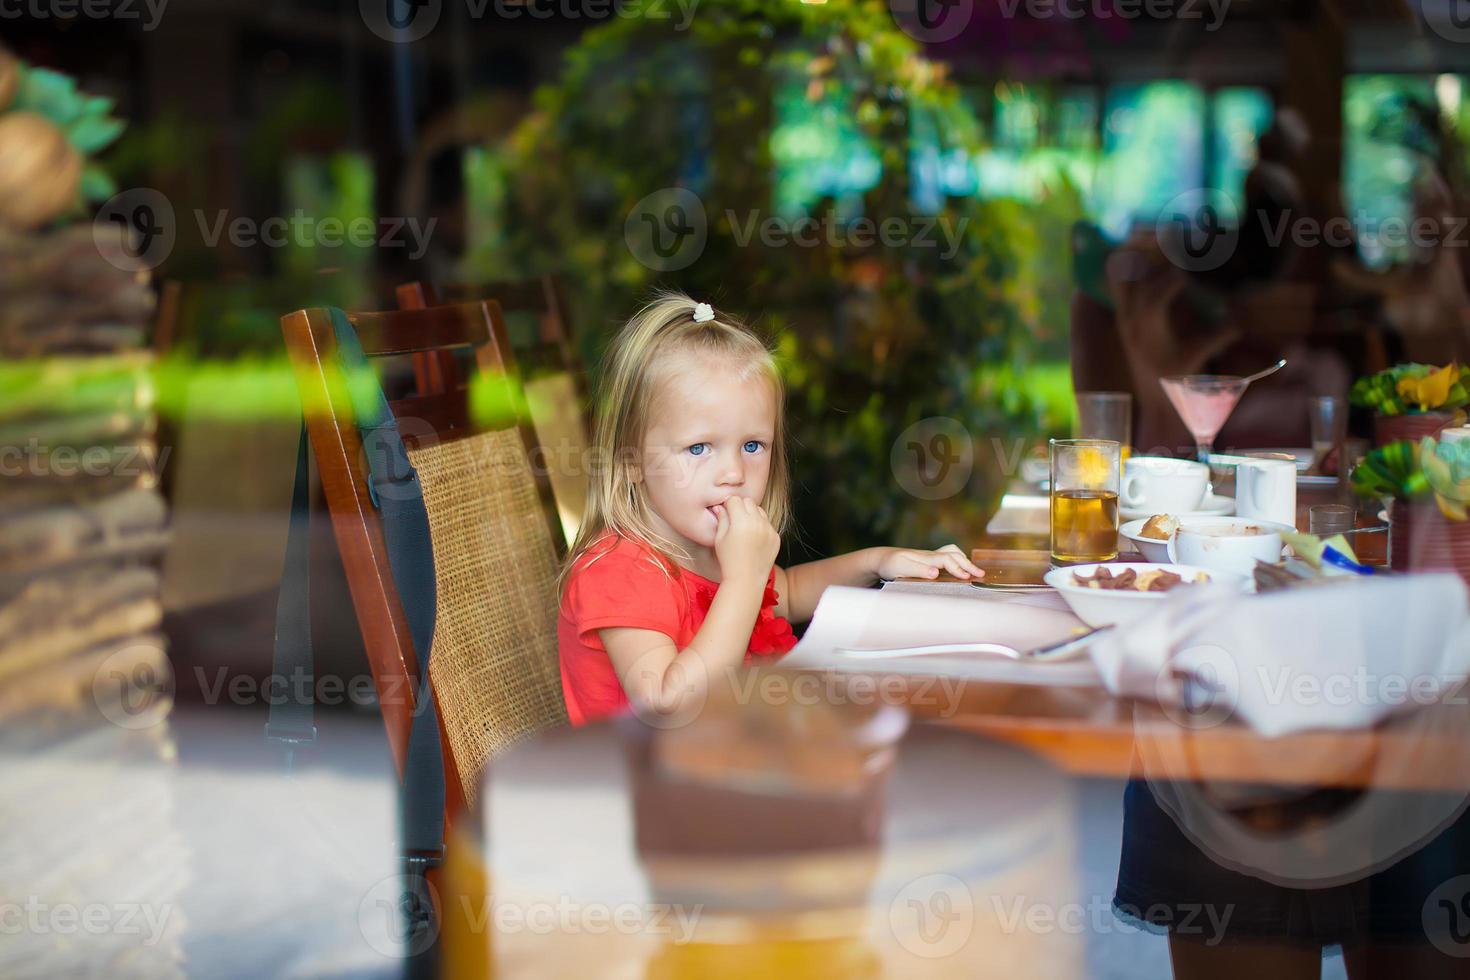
(1084, 500)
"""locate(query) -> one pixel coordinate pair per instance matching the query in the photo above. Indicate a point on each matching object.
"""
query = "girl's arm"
(800, 586)
(659, 677)
(662, 679)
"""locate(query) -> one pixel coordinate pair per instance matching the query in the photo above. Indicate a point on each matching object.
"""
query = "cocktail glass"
(1204, 402)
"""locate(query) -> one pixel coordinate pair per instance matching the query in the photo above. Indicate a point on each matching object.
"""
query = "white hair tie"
(703, 313)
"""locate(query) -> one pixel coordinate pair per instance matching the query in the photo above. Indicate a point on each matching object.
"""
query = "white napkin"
(850, 618)
(1337, 657)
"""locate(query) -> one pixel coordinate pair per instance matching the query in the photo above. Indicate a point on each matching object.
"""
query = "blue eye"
(753, 446)
(698, 449)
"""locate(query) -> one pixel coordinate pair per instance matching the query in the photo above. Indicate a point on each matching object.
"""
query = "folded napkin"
(1337, 656)
(850, 618)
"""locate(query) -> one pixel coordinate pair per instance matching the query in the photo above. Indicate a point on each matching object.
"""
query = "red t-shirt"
(619, 583)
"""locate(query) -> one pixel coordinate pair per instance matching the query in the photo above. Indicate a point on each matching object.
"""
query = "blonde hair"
(631, 380)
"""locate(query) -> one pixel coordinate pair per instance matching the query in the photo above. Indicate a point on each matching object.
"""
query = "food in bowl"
(1232, 530)
(1150, 580)
(1159, 527)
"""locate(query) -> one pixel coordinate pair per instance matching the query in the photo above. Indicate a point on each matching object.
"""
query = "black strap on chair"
(394, 487)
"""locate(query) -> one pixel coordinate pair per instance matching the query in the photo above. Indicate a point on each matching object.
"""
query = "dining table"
(1088, 731)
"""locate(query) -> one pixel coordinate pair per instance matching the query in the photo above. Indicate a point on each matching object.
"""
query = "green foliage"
(1387, 392)
(86, 120)
(1412, 471)
(871, 339)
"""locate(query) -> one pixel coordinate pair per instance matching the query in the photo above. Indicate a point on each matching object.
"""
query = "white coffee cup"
(1265, 490)
(1226, 544)
(1161, 485)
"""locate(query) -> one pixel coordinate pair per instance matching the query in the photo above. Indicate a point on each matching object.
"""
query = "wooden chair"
(496, 554)
(553, 378)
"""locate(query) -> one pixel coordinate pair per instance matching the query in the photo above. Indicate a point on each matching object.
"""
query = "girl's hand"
(745, 542)
(903, 563)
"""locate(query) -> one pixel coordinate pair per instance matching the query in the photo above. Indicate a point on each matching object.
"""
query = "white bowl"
(1154, 549)
(1105, 607)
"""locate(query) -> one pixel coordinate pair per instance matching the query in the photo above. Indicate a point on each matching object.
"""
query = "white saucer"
(1214, 504)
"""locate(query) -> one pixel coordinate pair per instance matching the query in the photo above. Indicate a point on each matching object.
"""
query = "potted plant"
(1429, 484)
(1411, 401)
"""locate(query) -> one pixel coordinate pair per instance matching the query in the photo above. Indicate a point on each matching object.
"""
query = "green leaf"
(91, 133)
(97, 183)
(51, 94)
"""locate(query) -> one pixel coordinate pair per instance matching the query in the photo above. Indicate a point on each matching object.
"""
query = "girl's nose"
(733, 473)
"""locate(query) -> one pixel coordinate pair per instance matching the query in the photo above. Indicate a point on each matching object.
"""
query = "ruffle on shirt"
(772, 635)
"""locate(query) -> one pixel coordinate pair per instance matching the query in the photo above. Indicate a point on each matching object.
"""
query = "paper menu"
(857, 618)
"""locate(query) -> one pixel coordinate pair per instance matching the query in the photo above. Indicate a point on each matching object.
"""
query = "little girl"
(672, 579)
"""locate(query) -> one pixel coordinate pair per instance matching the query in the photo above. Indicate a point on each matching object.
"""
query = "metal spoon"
(1266, 373)
(1061, 650)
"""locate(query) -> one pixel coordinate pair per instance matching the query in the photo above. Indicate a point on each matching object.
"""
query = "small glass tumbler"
(1106, 415)
(1329, 429)
(1084, 500)
(1329, 519)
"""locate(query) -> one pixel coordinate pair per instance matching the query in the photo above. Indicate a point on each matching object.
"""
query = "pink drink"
(1204, 402)
(1203, 410)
